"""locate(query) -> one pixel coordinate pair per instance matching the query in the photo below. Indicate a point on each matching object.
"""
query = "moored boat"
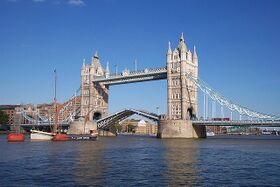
(82, 137)
(40, 135)
(60, 137)
(15, 137)
(210, 134)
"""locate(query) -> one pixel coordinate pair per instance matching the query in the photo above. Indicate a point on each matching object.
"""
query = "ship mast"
(55, 105)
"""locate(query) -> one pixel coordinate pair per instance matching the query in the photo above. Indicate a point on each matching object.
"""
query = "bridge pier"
(170, 128)
(106, 133)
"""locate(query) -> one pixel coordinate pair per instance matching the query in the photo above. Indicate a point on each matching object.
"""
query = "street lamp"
(157, 110)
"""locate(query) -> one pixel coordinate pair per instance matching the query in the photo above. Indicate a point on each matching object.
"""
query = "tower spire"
(195, 58)
(169, 48)
(182, 37)
(96, 54)
(84, 62)
(194, 53)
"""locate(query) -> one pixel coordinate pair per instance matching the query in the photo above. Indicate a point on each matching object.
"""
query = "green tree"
(4, 118)
(119, 127)
(131, 128)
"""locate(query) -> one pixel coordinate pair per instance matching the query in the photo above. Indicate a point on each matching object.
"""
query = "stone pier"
(180, 129)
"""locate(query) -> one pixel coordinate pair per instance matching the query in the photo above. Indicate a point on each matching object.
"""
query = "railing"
(147, 71)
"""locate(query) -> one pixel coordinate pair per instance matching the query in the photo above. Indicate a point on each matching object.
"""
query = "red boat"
(15, 137)
(60, 137)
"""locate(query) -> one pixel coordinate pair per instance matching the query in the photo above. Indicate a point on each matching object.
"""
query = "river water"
(143, 161)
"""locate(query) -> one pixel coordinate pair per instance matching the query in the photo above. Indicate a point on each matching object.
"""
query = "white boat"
(40, 135)
(210, 134)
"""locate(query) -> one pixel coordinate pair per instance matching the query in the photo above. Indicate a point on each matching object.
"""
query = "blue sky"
(238, 46)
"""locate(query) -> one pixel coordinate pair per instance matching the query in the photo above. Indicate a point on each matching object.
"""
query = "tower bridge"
(183, 82)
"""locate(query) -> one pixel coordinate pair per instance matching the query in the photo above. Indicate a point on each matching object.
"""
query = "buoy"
(15, 137)
(60, 137)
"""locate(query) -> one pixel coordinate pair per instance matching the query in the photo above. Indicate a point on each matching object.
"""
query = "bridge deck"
(255, 123)
(135, 76)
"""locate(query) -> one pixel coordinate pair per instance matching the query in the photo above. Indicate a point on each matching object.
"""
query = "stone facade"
(182, 95)
(180, 129)
(94, 95)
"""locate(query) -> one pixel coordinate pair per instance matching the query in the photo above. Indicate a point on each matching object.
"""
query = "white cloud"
(76, 2)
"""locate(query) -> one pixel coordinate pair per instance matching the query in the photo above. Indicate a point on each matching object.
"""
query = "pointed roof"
(182, 37)
(96, 55)
(182, 46)
(194, 53)
(84, 62)
(169, 51)
(107, 67)
(95, 63)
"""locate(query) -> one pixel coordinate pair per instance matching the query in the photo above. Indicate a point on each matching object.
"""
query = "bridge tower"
(182, 94)
(94, 95)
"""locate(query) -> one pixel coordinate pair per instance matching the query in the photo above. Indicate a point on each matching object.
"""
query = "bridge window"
(96, 116)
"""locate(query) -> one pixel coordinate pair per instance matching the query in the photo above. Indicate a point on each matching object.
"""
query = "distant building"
(140, 126)
(10, 111)
(216, 129)
(45, 110)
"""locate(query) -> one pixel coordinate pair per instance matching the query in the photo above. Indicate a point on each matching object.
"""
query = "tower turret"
(169, 79)
(189, 56)
(107, 70)
(169, 53)
(96, 66)
(195, 58)
(182, 45)
(183, 54)
(84, 64)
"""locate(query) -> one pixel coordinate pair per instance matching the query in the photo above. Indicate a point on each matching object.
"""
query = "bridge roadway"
(147, 74)
(254, 123)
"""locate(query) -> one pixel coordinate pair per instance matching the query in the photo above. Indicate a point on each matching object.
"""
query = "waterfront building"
(10, 111)
(139, 126)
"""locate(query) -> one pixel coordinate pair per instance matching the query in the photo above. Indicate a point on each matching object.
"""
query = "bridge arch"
(111, 120)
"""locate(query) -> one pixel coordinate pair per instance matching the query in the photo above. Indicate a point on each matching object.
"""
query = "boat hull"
(82, 137)
(40, 135)
(61, 137)
(15, 137)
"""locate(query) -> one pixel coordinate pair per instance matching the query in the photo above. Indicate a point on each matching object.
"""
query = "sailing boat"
(57, 136)
(41, 135)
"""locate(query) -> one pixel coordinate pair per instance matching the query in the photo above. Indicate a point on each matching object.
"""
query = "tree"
(4, 118)
(131, 128)
(119, 128)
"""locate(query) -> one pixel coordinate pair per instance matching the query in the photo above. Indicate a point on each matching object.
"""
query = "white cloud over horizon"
(76, 2)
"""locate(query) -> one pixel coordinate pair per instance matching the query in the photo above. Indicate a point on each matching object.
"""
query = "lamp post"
(157, 110)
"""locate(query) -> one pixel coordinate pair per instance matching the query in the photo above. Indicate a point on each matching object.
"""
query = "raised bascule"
(181, 120)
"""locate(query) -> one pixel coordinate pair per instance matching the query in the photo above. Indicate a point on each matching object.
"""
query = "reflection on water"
(90, 164)
(181, 160)
(142, 161)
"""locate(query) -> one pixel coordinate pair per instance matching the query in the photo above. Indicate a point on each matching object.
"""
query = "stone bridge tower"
(94, 95)
(182, 94)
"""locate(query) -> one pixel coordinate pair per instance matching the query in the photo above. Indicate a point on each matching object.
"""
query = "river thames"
(143, 161)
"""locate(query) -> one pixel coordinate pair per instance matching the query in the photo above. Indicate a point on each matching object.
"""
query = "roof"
(8, 107)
